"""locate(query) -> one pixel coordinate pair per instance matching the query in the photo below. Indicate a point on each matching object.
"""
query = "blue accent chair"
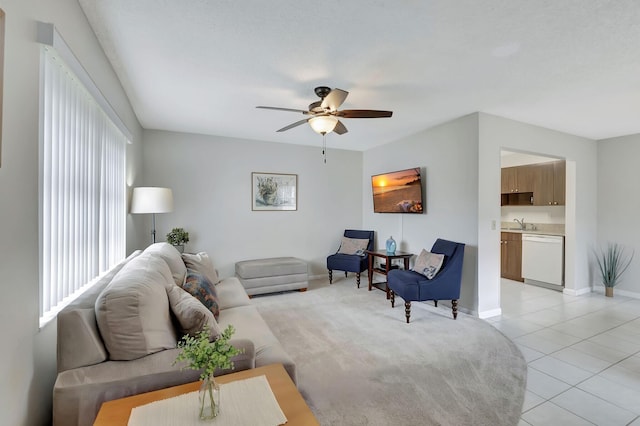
(350, 262)
(413, 286)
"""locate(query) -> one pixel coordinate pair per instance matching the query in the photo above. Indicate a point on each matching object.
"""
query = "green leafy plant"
(200, 354)
(612, 262)
(178, 237)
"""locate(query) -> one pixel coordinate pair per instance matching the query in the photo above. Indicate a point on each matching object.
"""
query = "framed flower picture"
(274, 191)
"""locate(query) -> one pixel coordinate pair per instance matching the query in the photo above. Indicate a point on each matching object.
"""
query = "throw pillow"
(199, 286)
(191, 314)
(172, 256)
(133, 313)
(352, 245)
(201, 262)
(428, 264)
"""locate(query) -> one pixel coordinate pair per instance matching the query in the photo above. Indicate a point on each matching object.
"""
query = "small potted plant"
(200, 354)
(178, 237)
(612, 262)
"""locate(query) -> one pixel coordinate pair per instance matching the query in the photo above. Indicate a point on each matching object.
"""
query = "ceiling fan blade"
(284, 109)
(291, 126)
(334, 99)
(340, 128)
(363, 113)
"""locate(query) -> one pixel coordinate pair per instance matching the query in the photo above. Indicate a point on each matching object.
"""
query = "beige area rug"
(359, 363)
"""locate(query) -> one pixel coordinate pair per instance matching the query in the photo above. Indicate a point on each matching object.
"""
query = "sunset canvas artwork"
(397, 192)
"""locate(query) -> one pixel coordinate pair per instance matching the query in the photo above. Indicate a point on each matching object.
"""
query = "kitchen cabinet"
(517, 179)
(549, 184)
(511, 256)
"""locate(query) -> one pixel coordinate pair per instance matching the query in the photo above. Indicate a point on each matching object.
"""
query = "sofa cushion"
(173, 259)
(133, 310)
(199, 286)
(201, 262)
(231, 293)
(428, 264)
(249, 324)
(191, 314)
(352, 245)
(81, 327)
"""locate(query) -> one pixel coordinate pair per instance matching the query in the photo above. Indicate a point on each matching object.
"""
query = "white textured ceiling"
(201, 66)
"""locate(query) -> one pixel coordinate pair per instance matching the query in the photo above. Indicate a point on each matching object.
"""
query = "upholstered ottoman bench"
(259, 276)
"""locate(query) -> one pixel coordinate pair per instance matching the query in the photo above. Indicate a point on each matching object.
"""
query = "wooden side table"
(382, 254)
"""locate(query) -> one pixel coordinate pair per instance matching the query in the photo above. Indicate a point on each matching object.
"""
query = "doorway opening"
(535, 216)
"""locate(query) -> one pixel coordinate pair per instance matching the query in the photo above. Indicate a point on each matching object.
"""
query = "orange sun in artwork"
(379, 182)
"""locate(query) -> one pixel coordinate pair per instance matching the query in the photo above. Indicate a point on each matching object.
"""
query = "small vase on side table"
(391, 246)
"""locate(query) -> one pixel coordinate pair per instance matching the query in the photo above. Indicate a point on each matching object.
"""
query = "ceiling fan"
(323, 114)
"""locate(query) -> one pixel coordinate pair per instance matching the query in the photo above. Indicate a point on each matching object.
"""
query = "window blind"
(82, 187)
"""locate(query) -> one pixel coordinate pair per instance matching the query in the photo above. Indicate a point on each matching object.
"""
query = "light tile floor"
(583, 355)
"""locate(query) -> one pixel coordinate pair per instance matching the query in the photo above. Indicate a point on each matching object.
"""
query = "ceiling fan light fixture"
(323, 124)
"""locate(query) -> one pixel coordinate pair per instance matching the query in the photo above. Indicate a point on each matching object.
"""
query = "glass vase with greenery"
(612, 263)
(201, 354)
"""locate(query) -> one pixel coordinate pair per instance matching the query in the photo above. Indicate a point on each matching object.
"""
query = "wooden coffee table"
(117, 412)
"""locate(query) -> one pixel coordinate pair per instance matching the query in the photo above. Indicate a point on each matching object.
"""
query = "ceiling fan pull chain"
(324, 147)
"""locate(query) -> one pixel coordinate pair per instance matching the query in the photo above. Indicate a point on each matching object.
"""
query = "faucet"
(523, 226)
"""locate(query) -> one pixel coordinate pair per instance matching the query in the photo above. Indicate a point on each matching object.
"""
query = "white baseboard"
(490, 313)
(572, 292)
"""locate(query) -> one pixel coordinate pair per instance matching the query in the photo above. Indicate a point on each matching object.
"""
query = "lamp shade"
(148, 199)
(323, 124)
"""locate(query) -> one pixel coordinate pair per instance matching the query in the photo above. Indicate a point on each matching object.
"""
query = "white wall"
(498, 133)
(27, 357)
(619, 204)
(448, 157)
(211, 181)
(533, 214)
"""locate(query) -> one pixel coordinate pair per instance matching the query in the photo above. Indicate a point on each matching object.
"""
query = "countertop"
(529, 231)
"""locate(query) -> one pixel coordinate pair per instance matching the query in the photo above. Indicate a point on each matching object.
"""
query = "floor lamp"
(152, 200)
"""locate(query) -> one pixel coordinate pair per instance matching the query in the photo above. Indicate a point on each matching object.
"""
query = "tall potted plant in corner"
(612, 262)
(178, 237)
(200, 354)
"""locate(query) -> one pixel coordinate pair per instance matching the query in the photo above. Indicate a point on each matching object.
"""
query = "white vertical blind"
(82, 187)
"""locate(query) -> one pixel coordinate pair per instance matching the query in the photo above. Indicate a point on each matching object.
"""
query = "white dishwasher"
(543, 260)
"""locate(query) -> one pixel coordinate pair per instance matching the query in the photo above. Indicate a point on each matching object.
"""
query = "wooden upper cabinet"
(508, 179)
(543, 188)
(549, 184)
(546, 181)
(559, 182)
(526, 177)
(517, 179)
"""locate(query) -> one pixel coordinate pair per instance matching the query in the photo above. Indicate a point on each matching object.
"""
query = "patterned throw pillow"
(352, 245)
(199, 286)
(192, 316)
(428, 264)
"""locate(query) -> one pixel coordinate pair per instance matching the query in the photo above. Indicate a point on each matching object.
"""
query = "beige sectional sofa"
(119, 337)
